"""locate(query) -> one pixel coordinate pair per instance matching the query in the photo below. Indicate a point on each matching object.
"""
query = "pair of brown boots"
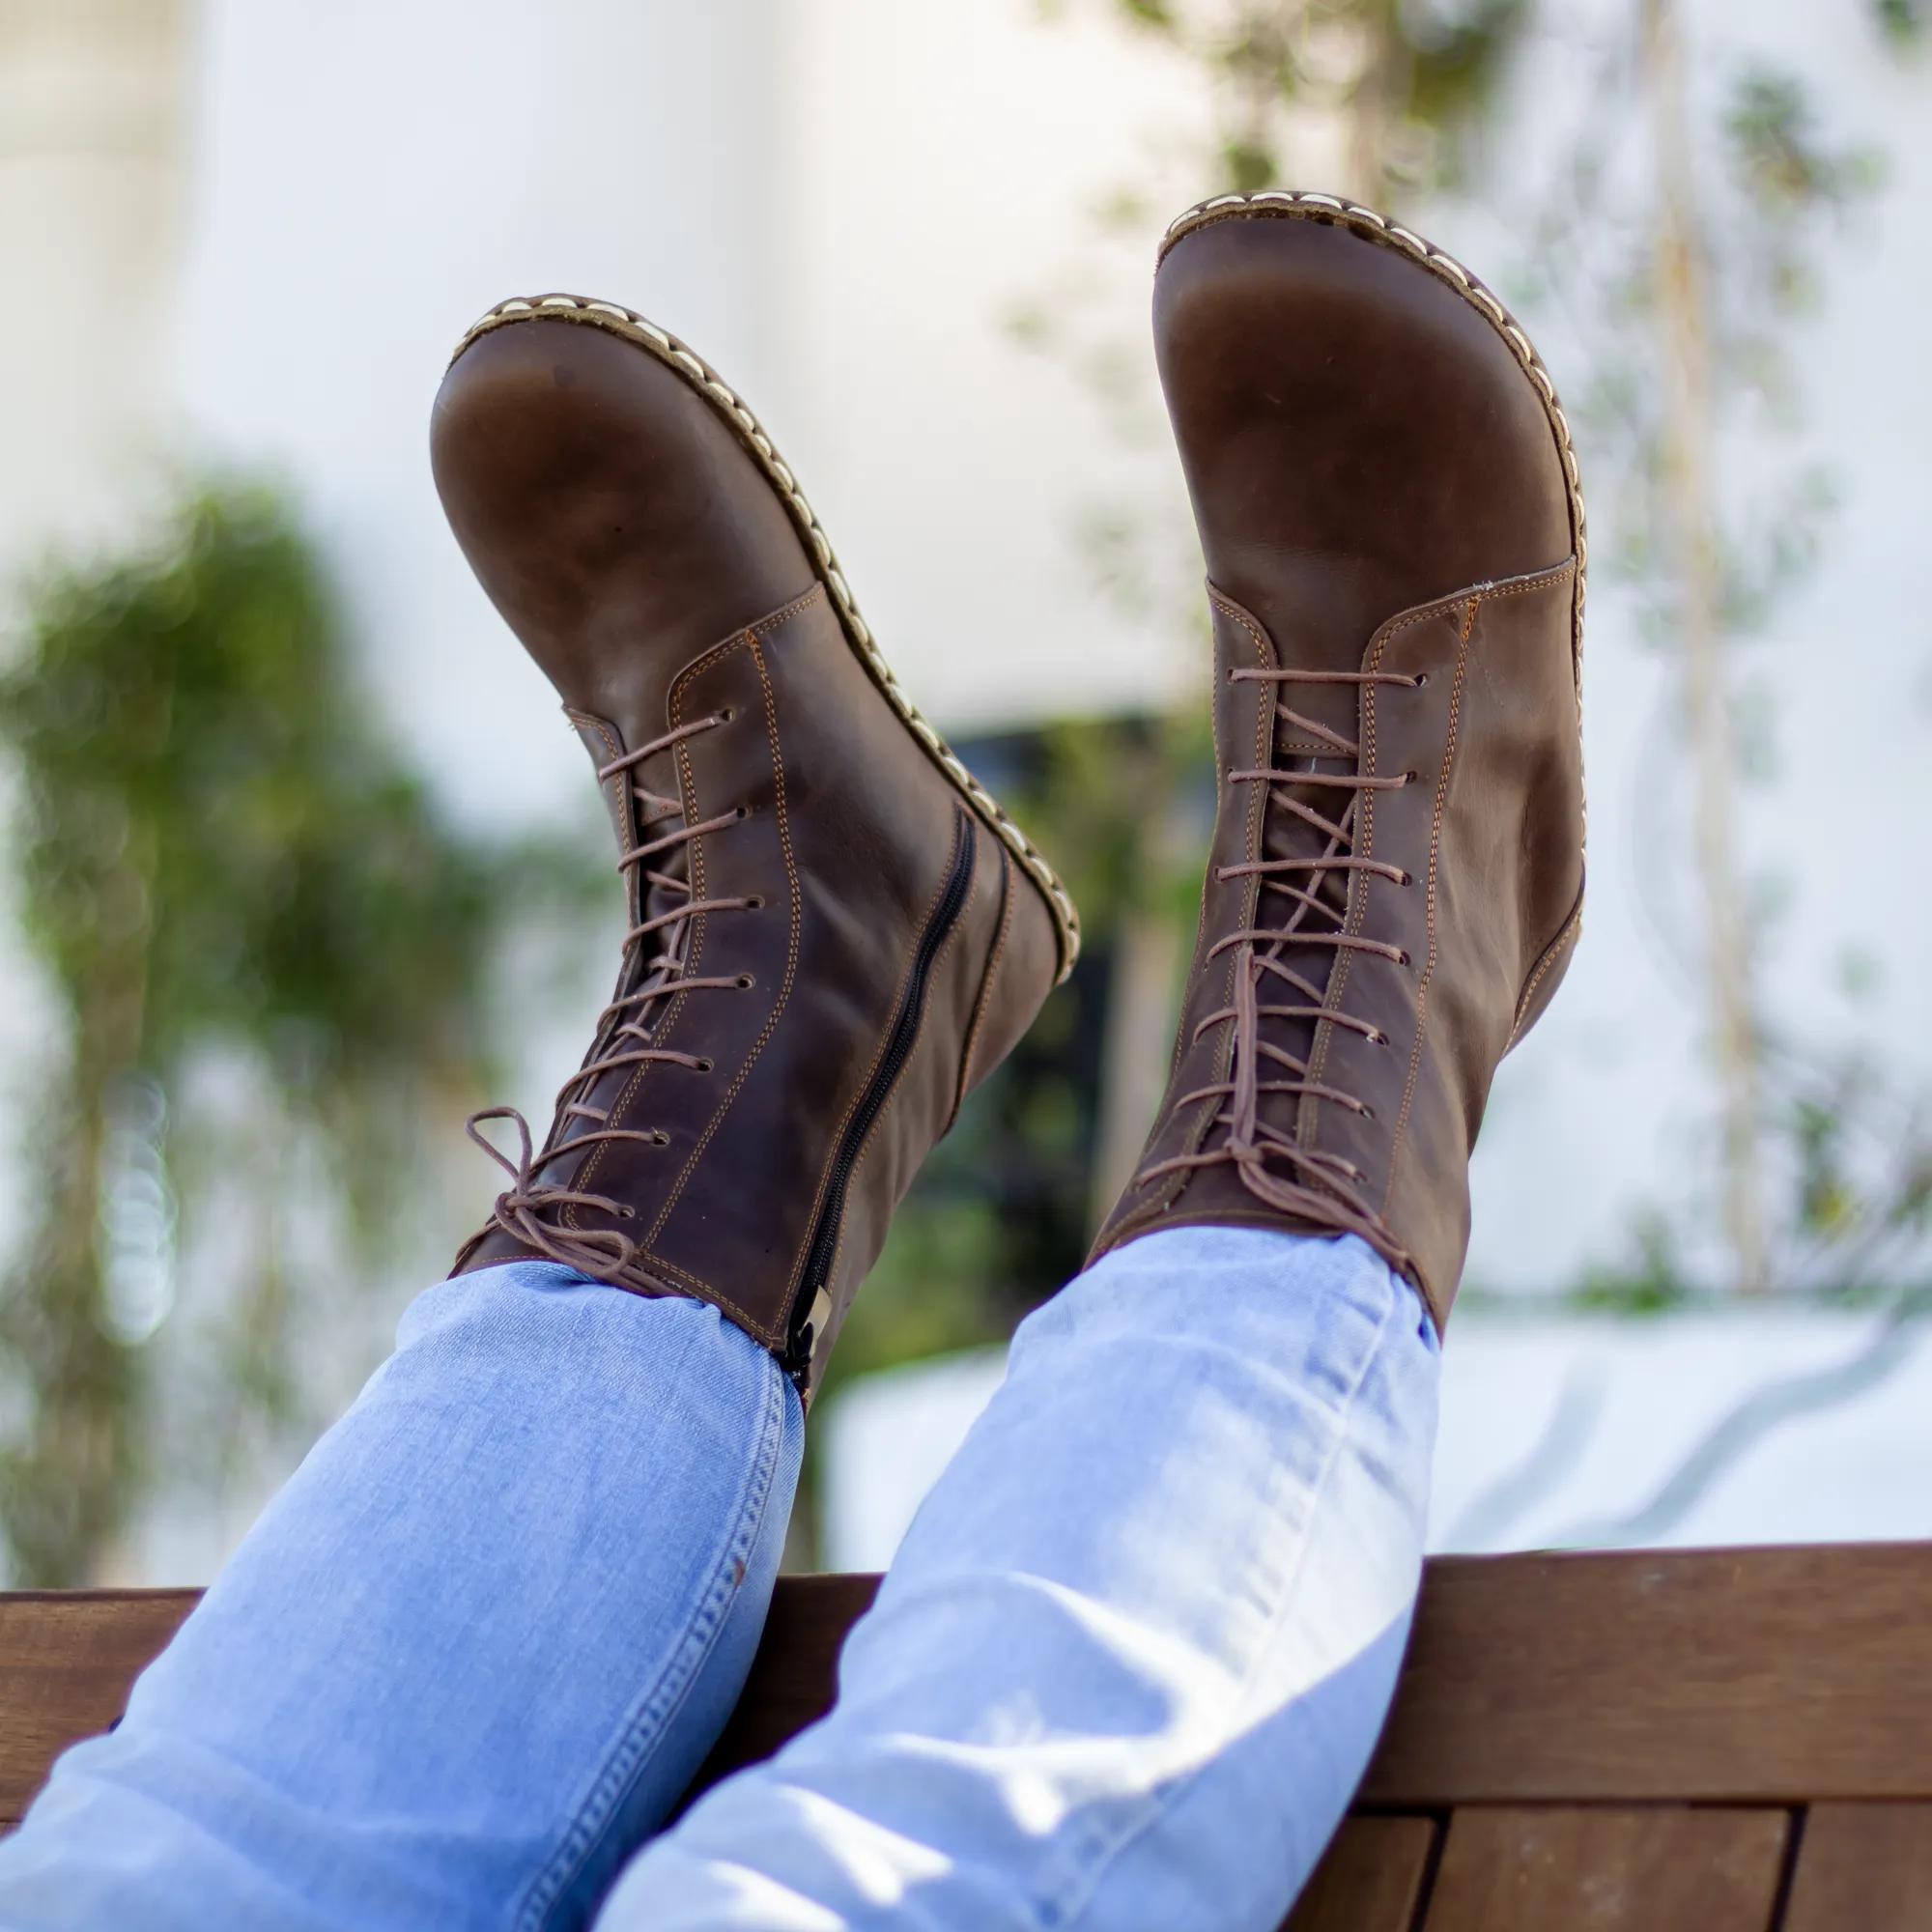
(836, 932)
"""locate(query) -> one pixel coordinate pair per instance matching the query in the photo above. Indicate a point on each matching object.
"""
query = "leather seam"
(634, 1086)
(1171, 1191)
(1463, 654)
(784, 614)
(701, 1290)
(710, 387)
(1308, 1116)
(1545, 960)
(859, 1091)
(751, 642)
(614, 742)
(885, 1113)
(627, 842)
(1322, 1035)
(993, 964)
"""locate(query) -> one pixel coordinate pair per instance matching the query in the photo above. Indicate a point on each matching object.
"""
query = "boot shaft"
(1396, 878)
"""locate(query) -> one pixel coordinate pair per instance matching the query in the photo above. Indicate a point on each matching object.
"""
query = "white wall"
(370, 176)
(89, 141)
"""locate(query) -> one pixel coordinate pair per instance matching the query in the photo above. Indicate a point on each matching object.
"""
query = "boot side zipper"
(899, 1044)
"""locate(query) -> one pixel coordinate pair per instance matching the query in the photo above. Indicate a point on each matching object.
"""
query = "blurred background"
(303, 863)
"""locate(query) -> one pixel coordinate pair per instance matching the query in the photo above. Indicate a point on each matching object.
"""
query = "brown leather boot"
(1388, 505)
(834, 931)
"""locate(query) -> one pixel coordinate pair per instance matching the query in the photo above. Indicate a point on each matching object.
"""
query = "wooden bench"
(1733, 1741)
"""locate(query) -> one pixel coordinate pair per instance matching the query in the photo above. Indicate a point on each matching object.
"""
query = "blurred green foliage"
(1414, 78)
(1903, 21)
(215, 847)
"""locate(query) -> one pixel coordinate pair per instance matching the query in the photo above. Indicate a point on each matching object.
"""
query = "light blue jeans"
(1124, 1673)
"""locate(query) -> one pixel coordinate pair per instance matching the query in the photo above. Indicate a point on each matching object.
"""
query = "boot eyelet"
(746, 982)
(726, 716)
(627, 1213)
(704, 1064)
(1421, 678)
(744, 811)
(1408, 778)
(1403, 959)
(755, 904)
(660, 1138)
(1368, 1113)
(1407, 879)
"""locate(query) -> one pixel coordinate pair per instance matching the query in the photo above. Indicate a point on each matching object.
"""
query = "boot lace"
(527, 1208)
(1311, 896)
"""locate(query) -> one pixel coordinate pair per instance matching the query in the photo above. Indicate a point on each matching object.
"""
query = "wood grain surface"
(68, 1659)
(1863, 1868)
(1738, 1675)
(1662, 1870)
(1370, 1880)
(1751, 1679)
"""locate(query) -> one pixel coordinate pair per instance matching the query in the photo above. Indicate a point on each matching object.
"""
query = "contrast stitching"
(797, 1270)
(1565, 933)
(698, 374)
(614, 748)
(891, 1100)
(1171, 1190)
(986, 999)
(783, 816)
(1372, 227)
(787, 611)
(667, 1028)
(1435, 858)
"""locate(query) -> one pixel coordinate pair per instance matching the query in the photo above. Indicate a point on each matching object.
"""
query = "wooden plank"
(1370, 1879)
(1863, 1868)
(1737, 1675)
(794, 1676)
(1662, 1870)
(68, 1659)
(1771, 1676)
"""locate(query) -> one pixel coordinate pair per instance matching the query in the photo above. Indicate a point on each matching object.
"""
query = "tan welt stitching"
(706, 381)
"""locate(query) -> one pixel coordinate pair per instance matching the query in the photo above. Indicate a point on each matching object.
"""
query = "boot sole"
(1294, 204)
(698, 374)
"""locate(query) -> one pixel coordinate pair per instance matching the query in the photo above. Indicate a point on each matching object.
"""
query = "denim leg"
(471, 1653)
(1135, 1652)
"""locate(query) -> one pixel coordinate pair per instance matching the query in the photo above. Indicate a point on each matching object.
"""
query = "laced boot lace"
(1277, 977)
(527, 1209)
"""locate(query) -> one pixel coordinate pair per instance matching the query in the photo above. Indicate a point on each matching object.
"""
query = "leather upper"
(1392, 543)
(829, 945)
